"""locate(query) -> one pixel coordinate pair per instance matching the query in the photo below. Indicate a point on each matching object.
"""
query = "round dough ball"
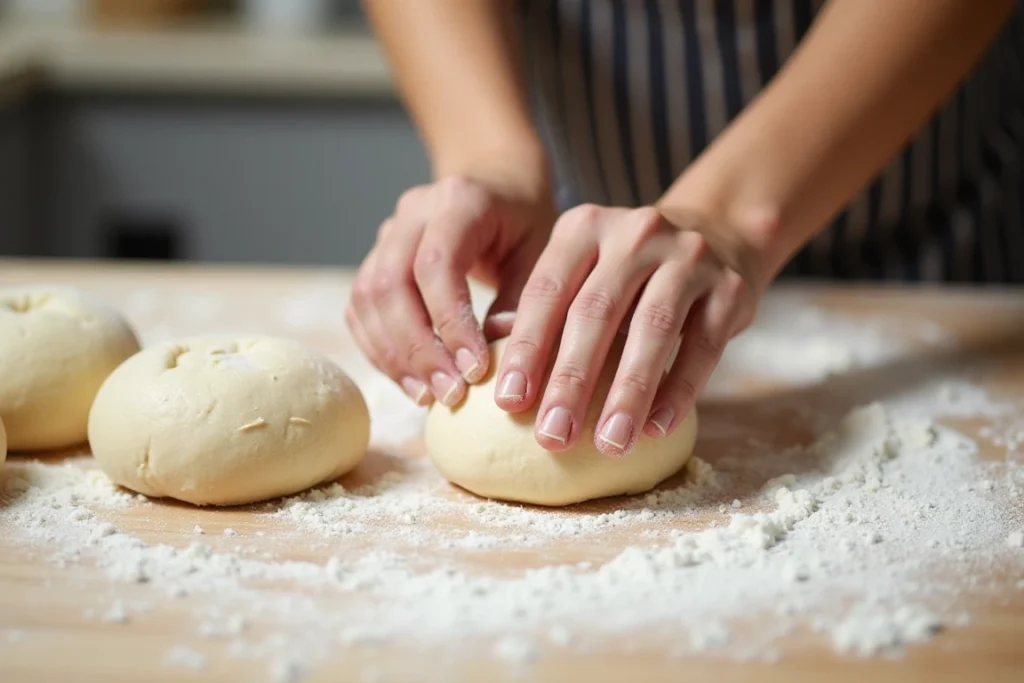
(494, 454)
(227, 421)
(57, 345)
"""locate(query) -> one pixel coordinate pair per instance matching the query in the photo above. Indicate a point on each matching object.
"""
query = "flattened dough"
(227, 421)
(57, 345)
(494, 454)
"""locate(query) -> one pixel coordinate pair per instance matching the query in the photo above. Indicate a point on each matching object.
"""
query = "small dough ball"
(228, 421)
(57, 345)
(494, 454)
(3, 443)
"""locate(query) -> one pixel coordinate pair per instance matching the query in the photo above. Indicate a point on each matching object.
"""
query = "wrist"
(518, 171)
(745, 230)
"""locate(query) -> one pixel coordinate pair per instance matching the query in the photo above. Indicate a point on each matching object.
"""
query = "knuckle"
(598, 305)
(569, 377)
(381, 284)
(429, 261)
(683, 389)
(455, 185)
(660, 319)
(459, 190)
(695, 249)
(420, 347)
(707, 345)
(581, 217)
(409, 200)
(389, 361)
(735, 287)
(447, 322)
(541, 286)
(647, 219)
(634, 384)
(522, 349)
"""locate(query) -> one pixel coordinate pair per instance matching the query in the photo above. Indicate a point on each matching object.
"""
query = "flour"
(871, 535)
(185, 657)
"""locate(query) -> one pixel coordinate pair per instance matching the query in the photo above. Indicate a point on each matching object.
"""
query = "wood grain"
(47, 602)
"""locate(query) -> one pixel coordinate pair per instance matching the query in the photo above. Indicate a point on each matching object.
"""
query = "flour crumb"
(515, 650)
(559, 635)
(1015, 539)
(287, 670)
(869, 634)
(230, 532)
(198, 530)
(116, 613)
(711, 635)
(15, 635)
(185, 657)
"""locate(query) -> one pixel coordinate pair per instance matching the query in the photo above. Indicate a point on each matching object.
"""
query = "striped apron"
(628, 92)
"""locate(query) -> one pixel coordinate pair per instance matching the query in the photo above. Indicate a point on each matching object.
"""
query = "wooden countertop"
(206, 59)
(39, 599)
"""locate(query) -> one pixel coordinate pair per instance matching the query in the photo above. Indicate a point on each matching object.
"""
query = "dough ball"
(227, 421)
(57, 345)
(494, 454)
(3, 443)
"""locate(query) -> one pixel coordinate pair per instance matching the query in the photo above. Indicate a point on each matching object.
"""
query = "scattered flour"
(871, 535)
(185, 657)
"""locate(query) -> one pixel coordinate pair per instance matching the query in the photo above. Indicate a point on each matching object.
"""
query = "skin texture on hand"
(692, 268)
(606, 268)
(410, 309)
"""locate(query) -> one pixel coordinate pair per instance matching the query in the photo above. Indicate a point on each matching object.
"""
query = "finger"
(654, 330)
(705, 334)
(384, 358)
(590, 329)
(403, 318)
(460, 229)
(549, 290)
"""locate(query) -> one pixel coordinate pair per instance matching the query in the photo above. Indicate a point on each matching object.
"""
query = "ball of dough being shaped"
(57, 345)
(494, 454)
(227, 421)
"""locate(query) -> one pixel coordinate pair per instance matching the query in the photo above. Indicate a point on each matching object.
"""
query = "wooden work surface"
(39, 599)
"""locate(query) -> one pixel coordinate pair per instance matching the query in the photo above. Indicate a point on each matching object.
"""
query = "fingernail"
(445, 388)
(513, 387)
(467, 364)
(662, 419)
(617, 431)
(557, 424)
(416, 389)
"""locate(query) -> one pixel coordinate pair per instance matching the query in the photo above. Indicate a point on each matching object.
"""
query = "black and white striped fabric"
(628, 92)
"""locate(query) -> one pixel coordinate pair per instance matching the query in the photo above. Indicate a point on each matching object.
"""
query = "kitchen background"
(254, 130)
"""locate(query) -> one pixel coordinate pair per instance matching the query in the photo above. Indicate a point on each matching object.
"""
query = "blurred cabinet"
(16, 170)
(232, 180)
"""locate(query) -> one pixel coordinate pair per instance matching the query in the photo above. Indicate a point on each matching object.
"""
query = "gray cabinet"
(236, 180)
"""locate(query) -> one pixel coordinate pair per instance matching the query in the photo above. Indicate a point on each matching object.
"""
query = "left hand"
(606, 268)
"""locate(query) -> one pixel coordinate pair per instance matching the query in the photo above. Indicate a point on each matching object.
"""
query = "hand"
(611, 267)
(413, 282)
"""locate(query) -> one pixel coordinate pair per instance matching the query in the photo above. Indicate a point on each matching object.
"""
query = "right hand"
(410, 309)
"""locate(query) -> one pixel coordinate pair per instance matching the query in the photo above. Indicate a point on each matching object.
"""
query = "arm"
(487, 214)
(865, 78)
(457, 64)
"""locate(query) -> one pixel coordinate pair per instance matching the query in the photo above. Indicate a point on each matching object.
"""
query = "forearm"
(457, 65)
(866, 77)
